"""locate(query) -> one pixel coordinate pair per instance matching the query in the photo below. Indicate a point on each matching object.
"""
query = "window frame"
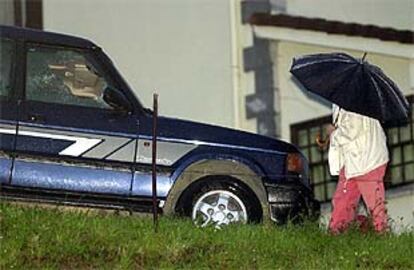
(306, 149)
(12, 76)
(327, 179)
(86, 53)
(389, 183)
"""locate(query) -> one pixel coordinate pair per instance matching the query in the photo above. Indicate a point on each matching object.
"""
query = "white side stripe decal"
(79, 146)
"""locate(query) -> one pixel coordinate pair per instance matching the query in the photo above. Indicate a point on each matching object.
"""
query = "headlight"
(294, 163)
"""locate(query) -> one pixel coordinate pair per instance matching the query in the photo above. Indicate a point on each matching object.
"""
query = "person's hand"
(329, 129)
(323, 142)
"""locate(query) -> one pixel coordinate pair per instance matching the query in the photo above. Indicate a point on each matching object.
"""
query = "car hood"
(172, 128)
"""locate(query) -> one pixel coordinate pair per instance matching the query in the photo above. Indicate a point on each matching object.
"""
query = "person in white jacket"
(358, 154)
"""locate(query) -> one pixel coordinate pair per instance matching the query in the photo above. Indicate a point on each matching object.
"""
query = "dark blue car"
(72, 131)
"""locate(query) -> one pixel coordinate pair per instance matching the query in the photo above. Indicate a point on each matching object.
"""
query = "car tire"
(219, 202)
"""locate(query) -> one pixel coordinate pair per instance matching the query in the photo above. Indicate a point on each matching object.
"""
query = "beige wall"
(295, 104)
(180, 49)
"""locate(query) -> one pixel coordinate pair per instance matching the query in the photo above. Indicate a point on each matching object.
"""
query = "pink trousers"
(346, 198)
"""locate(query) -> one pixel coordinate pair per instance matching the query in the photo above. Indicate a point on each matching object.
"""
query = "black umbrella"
(352, 84)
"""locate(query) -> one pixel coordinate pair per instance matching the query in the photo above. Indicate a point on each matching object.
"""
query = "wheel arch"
(206, 167)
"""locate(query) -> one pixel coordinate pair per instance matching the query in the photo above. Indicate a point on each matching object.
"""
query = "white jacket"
(358, 143)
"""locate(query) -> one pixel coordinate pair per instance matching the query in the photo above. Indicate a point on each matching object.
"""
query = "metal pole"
(154, 161)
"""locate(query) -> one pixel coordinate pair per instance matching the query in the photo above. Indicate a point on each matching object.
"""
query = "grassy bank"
(51, 238)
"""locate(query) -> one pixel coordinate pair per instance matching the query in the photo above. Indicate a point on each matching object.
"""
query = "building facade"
(301, 117)
(227, 63)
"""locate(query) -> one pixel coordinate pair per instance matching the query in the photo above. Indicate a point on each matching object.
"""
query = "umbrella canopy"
(353, 84)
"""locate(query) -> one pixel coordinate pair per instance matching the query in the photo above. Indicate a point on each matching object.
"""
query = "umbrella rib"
(379, 95)
(392, 92)
(299, 66)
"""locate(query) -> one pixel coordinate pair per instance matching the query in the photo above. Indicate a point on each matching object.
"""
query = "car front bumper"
(291, 202)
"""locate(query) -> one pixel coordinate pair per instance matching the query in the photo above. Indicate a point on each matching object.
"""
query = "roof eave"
(332, 27)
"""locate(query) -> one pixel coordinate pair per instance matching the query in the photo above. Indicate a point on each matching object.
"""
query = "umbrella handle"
(322, 143)
(363, 57)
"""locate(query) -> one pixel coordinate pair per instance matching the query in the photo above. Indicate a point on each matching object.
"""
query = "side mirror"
(116, 99)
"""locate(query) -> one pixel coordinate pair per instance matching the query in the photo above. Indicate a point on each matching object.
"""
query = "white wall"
(399, 205)
(6, 13)
(392, 13)
(180, 48)
(296, 106)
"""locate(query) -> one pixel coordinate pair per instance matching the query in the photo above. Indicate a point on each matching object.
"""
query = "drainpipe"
(235, 21)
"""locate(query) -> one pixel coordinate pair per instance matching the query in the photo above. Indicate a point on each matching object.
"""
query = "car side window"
(63, 76)
(7, 53)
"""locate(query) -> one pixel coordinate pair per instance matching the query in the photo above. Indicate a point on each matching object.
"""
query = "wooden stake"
(154, 161)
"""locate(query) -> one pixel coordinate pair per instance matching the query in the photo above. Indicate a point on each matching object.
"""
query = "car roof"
(40, 36)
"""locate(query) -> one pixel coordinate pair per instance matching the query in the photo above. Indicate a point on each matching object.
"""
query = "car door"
(8, 108)
(69, 138)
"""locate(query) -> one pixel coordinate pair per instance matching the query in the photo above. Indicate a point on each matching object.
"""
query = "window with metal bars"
(400, 144)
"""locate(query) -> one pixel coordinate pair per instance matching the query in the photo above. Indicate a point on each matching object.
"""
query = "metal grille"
(400, 145)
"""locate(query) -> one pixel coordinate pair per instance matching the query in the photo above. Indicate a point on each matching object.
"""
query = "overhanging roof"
(333, 27)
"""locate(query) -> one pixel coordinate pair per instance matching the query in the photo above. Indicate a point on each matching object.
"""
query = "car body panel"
(60, 176)
(5, 168)
(104, 152)
(40, 140)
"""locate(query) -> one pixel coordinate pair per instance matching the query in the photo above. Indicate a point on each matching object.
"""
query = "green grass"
(33, 238)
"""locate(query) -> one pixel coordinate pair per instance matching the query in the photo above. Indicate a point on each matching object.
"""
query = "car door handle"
(36, 118)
